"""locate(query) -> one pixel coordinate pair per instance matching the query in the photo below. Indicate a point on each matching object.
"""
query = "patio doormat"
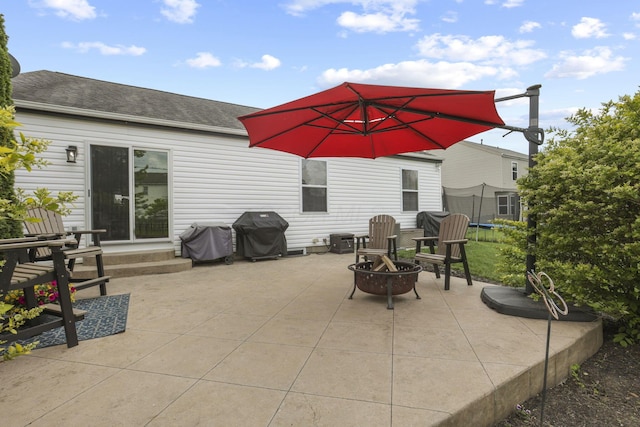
(104, 316)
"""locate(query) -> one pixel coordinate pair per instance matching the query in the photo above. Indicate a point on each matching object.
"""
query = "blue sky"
(263, 53)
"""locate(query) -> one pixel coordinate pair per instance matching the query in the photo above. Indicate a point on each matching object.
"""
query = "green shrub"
(585, 195)
(511, 265)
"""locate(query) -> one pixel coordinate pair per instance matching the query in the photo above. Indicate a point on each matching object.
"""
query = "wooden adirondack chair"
(49, 223)
(19, 274)
(379, 241)
(446, 248)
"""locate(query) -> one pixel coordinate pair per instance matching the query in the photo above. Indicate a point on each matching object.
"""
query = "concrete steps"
(129, 264)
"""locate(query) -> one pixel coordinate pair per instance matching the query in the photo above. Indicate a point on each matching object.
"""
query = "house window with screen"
(314, 185)
(514, 170)
(503, 205)
(409, 190)
(508, 205)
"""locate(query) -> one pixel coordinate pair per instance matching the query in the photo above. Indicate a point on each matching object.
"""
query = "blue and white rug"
(104, 316)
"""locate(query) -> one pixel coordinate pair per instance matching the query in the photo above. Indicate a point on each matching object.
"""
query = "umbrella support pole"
(535, 136)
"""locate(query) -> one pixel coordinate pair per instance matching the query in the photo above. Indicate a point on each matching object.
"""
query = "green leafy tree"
(585, 193)
(8, 227)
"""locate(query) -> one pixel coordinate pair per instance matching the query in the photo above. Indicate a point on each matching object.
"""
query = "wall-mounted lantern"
(72, 153)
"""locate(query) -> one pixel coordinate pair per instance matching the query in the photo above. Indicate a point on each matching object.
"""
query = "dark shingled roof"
(66, 90)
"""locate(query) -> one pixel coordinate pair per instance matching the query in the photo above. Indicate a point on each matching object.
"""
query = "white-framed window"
(514, 170)
(314, 185)
(409, 190)
(508, 205)
(503, 205)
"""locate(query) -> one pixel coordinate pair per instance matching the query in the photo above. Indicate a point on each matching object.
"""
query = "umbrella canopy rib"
(440, 115)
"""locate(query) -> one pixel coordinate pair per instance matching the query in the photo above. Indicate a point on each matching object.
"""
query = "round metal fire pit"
(387, 283)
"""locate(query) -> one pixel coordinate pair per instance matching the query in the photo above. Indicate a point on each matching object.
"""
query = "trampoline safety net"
(483, 203)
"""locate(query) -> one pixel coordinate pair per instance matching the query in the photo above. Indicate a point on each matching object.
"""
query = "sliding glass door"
(129, 192)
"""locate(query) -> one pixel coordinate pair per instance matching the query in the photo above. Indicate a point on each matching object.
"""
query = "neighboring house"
(480, 180)
(152, 163)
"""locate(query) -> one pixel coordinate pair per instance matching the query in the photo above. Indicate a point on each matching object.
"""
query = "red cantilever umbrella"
(359, 120)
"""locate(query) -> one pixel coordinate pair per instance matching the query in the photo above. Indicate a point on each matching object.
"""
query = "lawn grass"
(485, 235)
(482, 257)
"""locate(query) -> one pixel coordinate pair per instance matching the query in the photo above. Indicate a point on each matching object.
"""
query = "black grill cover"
(430, 222)
(207, 242)
(260, 235)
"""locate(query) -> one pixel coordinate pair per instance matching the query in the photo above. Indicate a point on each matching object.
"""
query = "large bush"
(585, 194)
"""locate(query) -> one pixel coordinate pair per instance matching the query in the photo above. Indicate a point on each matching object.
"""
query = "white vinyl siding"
(467, 164)
(216, 177)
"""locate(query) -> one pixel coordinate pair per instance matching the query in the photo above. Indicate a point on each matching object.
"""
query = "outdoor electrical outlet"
(314, 241)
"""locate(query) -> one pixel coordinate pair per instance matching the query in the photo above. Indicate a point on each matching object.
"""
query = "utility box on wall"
(341, 243)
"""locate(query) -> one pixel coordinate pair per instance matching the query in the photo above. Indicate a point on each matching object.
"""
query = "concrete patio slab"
(278, 343)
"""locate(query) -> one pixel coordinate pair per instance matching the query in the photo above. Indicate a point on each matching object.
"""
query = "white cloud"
(268, 63)
(379, 16)
(512, 3)
(558, 114)
(529, 26)
(511, 91)
(299, 7)
(589, 28)
(629, 36)
(104, 49)
(180, 11)
(450, 17)
(420, 73)
(599, 60)
(486, 49)
(376, 22)
(204, 60)
(72, 9)
(635, 16)
(513, 113)
(507, 3)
